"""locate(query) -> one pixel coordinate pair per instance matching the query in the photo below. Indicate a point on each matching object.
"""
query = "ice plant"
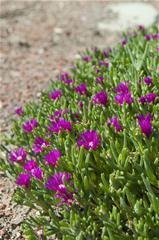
(55, 94)
(64, 76)
(114, 121)
(101, 98)
(53, 157)
(18, 155)
(30, 125)
(23, 180)
(37, 173)
(39, 145)
(29, 165)
(150, 97)
(145, 124)
(56, 184)
(100, 79)
(81, 89)
(148, 37)
(86, 58)
(90, 168)
(142, 99)
(19, 111)
(89, 139)
(148, 80)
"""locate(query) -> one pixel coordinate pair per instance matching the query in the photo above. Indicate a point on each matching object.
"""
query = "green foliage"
(116, 187)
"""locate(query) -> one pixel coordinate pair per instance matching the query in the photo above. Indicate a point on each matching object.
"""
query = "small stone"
(58, 30)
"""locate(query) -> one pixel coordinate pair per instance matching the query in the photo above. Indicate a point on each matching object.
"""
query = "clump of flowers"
(86, 156)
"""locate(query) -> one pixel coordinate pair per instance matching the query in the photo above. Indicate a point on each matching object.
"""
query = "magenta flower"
(125, 95)
(148, 80)
(18, 155)
(86, 58)
(58, 113)
(23, 180)
(80, 105)
(64, 76)
(29, 126)
(100, 79)
(54, 127)
(89, 139)
(142, 99)
(155, 36)
(55, 183)
(124, 42)
(97, 70)
(39, 145)
(114, 121)
(103, 63)
(55, 94)
(122, 88)
(31, 164)
(150, 97)
(37, 173)
(69, 81)
(81, 89)
(145, 124)
(19, 111)
(148, 37)
(64, 125)
(141, 27)
(101, 98)
(53, 157)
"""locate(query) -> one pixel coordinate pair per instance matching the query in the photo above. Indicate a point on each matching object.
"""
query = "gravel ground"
(38, 39)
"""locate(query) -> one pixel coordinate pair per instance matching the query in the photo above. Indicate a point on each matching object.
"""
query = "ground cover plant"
(87, 155)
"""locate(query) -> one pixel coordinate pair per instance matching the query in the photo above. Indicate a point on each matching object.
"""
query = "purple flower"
(28, 126)
(141, 27)
(31, 164)
(97, 70)
(53, 157)
(54, 127)
(37, 173)
(18, 155)
(81, 89)
(58, 113)
(124, 42)
(55, 94)
(114, 121)
(86, 58)
(64, 76)
(145, 124)
(89, 139)
(69, 81)
(101, 98)
(80, 104)
(100, 79)
(19, 111)
(142, 100)
(150, 97)
(122, 88)
(148, 80)
(39, 145)
(148, 37)
(155, 36)
(65, 125)
(23, 180)
(55, 182)
(124, 98)
(157, 49)
(103, 63)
